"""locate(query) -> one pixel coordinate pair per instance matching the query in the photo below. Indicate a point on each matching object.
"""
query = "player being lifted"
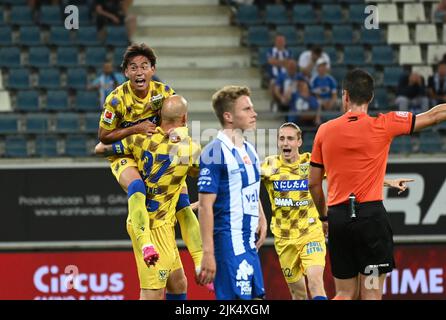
(163, 160)
(133, 108)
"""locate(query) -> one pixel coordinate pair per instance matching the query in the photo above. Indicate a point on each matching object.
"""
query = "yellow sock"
(190, 231)
(138, 212)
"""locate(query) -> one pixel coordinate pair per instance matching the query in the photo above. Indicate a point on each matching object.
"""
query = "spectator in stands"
(324, 86)
(304, 107)
(285, 86)
(107, 81)
(115, 13)
(437, 85)
(411, 93)
(308, 58)
(439, 14)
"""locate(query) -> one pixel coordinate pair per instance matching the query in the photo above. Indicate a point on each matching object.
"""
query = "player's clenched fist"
(145, 127)
(150, 255)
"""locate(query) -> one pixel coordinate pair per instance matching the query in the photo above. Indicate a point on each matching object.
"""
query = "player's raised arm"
(110, 136)
(118, 148)
(431, 117)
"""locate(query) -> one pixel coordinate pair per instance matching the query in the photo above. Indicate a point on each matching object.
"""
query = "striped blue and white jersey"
(233, 174)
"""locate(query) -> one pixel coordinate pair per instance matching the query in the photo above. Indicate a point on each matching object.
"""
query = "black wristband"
(323, 218)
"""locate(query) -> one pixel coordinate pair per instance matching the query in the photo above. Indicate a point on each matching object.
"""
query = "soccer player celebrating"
(133, 108)
(163, 160)
(230, 212)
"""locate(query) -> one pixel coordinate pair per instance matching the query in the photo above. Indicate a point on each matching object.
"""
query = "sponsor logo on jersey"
(205, 172)
(108, 116)
(290, 185)
(287, 202)
(244, 271)
(402, 114)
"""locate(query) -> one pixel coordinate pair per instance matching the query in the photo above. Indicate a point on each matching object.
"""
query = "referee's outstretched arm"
(431, 117)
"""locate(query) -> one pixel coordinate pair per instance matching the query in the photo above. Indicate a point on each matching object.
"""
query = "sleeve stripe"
(317, 165)
(412, 126)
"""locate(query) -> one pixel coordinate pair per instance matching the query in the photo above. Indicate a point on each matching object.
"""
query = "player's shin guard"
(174, 296)
(190, 231)
(138, 212)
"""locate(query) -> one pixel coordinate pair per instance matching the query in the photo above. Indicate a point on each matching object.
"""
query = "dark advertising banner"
(86, 203)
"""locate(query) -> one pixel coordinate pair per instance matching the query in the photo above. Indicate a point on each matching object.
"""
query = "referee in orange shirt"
(353, 151)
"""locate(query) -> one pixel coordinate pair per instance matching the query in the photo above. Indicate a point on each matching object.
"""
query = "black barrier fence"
(85, 203)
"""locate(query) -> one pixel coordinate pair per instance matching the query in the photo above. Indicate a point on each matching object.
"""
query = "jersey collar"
(225, 139)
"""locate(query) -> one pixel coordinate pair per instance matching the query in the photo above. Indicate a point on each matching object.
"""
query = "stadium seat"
(95, 56)
(87, 101)
(308, 139)
(87, 36)
(332, 14)
(342, 34)
(27, 100)
(413, 12)
(46, 146)
(77, 78)
(2, 17)
(10, 57)
(76, 146)
(398, 34)
(16, 147)
(304, 14)
(29, 36)
(426, 33)
(435, 53)
(67, 57)
(50, 15)
(425, 71)
(59, 36)
(392, 75)
(21, 15)
(116, 36)
(92, 122)
(57, 100)
(388, 13)
(14, 2)
(380, 100)
(314, 34)
(410, 54)
(67, 122)
(248, 15)
(290, 34)
(356, 13)
(338, 72)
(275, 14)
(118, 55)
(39, 57)
(262, 55)
(9, 124)
(36, 123)
(296, 51)
(354, 55)
(332, 53)
(49, 78)
(430, 142)
(258, 36)
(5, 36)
(382, 55)
(372, 36)
(18, 78)
(401, 144)
(84, 16)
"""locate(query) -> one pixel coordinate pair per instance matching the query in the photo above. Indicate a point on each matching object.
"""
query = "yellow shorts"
(296, 255)
(155, 277)
(119, 164)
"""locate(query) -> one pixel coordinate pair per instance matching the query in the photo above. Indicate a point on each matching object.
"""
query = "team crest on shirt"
(246, 160)
(303, 169)
(163, 275)
(114, 102)
(123, 162)
(156, 102)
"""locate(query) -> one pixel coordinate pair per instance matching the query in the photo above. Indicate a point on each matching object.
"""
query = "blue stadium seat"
(342, 34)
(49, 78)
(77, 78)
(5, 36)
(67, 122)
(95, 56)
(383, 55)
(314, 35)
(430, 142)
(372, 37)
(354, 55)
(14, 2)
(248, 15)
(118, 55)
(338, 73)
(332, 14)
(60, 36)
(262, 55)
(50, 15)
(380, 100)
(275, 14)
(296, 51)
(258, 36)
(356, 13)
(27, 100)
(10, 57)
(2, 17)
(92, 122)
(18, 78)
(87, 101)
(304, 14)
(332, 53)
(16, 147)
(392, 75)
(39, 57)
(46, 146)
(9, 123)
(84, 16)
(290, 34)
(308, 139)
(36, 123)
(401, 144)
(87, 36)
(76, 146)
(116, 36)
(57, 100)
(29, 36)
(21, 15)
(67, 57)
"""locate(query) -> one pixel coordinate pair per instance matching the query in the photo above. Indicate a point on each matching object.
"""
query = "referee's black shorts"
(361, 245)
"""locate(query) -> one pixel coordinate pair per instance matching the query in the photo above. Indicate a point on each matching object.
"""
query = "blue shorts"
(239, 277)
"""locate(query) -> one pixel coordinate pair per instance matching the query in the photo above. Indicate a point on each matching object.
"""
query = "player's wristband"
(323, 218)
